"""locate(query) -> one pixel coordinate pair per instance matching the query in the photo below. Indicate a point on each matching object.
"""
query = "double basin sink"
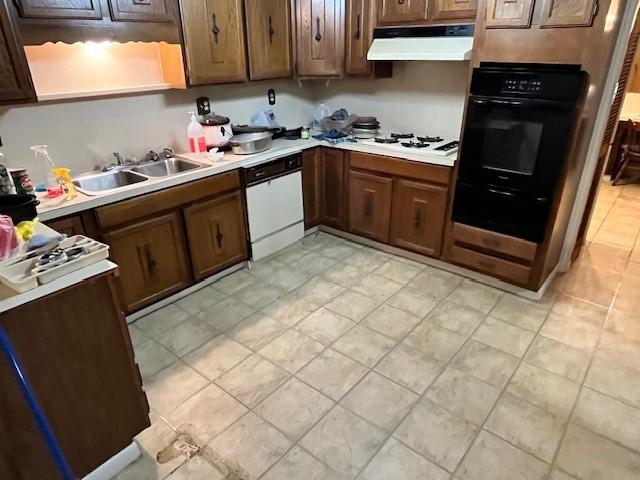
(95, 184)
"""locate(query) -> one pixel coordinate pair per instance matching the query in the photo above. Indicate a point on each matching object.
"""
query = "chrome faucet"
(118, 157)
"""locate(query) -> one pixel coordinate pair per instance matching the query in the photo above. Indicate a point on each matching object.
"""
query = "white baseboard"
(115, 464)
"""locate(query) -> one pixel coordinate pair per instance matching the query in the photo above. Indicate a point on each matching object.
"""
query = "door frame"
(591, 163)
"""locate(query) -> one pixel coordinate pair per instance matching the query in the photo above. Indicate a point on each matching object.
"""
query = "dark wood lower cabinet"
(76, 352)
(333, 166)
(152, 258)
(311, 187)
(369, 205)
(418, 216)
(216, 233)
(70, 226)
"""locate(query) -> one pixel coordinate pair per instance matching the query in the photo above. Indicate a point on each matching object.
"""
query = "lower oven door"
(516, 143)
(503, 211)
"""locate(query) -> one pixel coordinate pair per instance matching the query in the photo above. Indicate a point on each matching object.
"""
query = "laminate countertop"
(50, 209)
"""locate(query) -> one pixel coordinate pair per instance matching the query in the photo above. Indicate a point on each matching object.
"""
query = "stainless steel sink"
(167, 167)
(102, 182)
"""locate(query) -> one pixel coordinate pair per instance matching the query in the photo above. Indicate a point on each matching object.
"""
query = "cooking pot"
(217, 130)
(248, 143)
(19, 207)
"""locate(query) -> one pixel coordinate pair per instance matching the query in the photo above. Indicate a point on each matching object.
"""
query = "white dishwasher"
(274, 204)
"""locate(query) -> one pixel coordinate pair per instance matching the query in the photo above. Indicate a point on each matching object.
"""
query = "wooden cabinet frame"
(552, 16)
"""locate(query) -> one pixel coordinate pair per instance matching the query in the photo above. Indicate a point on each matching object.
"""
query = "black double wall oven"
(517, 135)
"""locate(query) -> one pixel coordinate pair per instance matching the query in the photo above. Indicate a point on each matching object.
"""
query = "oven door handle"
(500, 192)
(485, 101)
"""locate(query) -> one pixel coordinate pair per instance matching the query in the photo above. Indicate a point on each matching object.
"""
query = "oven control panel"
(522, 85)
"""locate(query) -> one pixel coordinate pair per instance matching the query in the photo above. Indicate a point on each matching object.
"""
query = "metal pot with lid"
(217, 130)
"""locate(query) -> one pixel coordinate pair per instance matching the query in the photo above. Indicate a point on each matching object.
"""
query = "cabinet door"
(214, 41)
(70, 226)
(15, 79)
(151, 258)
(59, 8)
(269, 38)
(216, 233)
(359, 35)
(142, 10)
(453, 9)
(369, 205)
(333, 187)
(398, 11)
(509, 13)
(418, 216)
(311, 187)
(568, 13)
(320, 37)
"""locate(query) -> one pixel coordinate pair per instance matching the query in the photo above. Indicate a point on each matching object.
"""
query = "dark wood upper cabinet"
(82, 9)
(568, 13)
(361, 19)
(311, 187)
(369, 205)
(332, 167)
(399, 11)
(269, 38)
(216, 234)
(453, 9)
(320, 37)
(418, 216)
(214, 41)
(509, 13)
(142, 10)
(15, 79)
(151, 256)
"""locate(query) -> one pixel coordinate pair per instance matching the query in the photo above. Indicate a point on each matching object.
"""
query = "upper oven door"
(518, 144)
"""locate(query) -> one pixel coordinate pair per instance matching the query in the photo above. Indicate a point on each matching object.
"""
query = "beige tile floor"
(336, 361)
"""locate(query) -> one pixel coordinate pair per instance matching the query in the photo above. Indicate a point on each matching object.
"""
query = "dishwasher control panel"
(274, 169)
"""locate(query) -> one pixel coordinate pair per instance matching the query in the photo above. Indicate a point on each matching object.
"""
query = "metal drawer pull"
(318, 37)
(215, 30)
(219, 236)
(271, 30)
(358, 30)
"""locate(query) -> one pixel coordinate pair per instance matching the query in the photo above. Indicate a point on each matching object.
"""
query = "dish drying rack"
(20, 272)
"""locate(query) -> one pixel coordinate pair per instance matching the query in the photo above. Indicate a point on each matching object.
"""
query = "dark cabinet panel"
(453, 9)
(320, 37)
(418, 216)
(311, 187)
(214, 41)
(70, 226)
(142, 10)
(60, 9)
(333, 187)
(509, 13)
(398, 11)
(216, 234)
(369, 205)
(361, 20)
(269, 38)
(79, 362)
(15, 78)
(151, 255)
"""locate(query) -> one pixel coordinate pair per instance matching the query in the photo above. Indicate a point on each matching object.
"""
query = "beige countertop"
(50, 209)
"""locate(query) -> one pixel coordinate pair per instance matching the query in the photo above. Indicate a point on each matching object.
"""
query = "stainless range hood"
(442, 42)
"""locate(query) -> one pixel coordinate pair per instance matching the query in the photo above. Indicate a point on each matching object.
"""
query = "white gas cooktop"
(416, 144)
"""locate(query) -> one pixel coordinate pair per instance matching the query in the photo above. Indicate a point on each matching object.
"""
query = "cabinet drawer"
(496, 267)
(401, 168)
(496, 242)
(141, 10)
(163, 200)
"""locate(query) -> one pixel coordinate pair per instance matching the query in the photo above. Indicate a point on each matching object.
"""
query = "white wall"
(425, 98)
(84, 133)
(422, 97)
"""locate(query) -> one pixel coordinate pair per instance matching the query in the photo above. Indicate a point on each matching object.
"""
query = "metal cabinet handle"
(358, 33)
(215, 30)
(367, 208)
(400, 2)
(151, 263)
(271, 30)
(417, 219)
(219, 235)
(318, 37)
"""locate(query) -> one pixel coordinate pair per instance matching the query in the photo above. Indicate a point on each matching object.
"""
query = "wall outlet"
(271, 94)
